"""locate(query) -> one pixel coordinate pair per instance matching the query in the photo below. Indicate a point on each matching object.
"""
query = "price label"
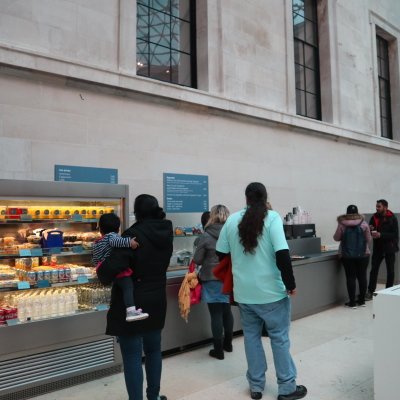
(24, 285)
(77, 249)
(43, 283)
(102, 307)
(37, 252)
(83, 279)
(77, 217)
(25, 252)
(25, 217)
(14, 321)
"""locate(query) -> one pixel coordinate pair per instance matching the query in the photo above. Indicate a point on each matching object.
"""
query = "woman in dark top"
(211, 293)
(149, 263)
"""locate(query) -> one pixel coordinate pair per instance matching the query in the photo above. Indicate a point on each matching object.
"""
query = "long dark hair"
(252, 224)
(146, 207)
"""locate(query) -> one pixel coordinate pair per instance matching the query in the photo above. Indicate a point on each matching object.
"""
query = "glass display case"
(187, 228)
(52, 309)
(47, 244)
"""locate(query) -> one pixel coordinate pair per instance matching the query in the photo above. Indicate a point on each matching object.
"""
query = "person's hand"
(292, 292)
(134, 243)
(375, 234)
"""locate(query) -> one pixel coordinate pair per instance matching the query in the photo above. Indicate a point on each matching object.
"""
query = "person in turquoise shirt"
(262, 282)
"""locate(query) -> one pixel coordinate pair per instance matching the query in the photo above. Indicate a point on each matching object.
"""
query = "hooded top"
(149, 263)
(205, 252)
(346, 220)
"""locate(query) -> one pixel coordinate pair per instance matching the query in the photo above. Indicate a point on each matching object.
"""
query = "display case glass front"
(187, 228)
(45, 257)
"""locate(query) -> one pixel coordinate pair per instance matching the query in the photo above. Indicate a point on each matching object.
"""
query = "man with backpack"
(354, 236)
(385, 232)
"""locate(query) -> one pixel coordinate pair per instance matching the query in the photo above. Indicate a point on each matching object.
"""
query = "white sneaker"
(133, 314)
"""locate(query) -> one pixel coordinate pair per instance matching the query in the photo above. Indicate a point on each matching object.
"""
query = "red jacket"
(223, 271)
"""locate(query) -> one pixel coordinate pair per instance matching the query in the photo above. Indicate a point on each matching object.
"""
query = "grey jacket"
(205, 255)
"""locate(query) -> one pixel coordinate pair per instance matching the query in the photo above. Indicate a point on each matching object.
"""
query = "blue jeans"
(131, 349)
(276, 317)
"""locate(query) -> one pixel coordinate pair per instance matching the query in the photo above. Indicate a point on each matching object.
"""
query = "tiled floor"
(333, 351)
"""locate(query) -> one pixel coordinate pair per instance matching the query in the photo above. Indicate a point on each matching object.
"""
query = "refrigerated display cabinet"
(48, 283)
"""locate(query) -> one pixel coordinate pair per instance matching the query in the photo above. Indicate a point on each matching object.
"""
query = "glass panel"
(311, 101)
(298, 27)
(298, 7)
(378, 47)
(309, 56)
(163, 39)
(381, 48)
(382, 87)
(383, 104)
(160, 28)
(142, 58)
(298, 52)
(160, 63)
(181, 9)
(180, 68)
(384, 128)
(309, 10)
(379, 67)
(180, 35)
(299, 77)
(311, 81)
(300, 102)
(385, 70)
(161, 5)
(311, 33)
(142, 31)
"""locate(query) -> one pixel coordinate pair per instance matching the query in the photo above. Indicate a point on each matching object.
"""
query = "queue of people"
(263, 283)
(355, 236)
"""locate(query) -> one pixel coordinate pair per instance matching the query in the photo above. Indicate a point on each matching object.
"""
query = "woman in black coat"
(149, 263)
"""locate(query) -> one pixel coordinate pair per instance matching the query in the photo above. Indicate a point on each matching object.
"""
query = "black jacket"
(389, 229)
(149, 263)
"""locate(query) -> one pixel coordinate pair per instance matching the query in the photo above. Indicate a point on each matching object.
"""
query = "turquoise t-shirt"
(256, 277)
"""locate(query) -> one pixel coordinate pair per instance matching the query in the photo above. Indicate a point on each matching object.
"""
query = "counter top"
(176, 275)
(316, 257)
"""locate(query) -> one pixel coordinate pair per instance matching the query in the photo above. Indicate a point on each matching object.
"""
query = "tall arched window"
(384, 87)
(306, 58)
(165, 40)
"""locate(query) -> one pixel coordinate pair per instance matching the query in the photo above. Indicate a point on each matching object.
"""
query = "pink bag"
(195, 293)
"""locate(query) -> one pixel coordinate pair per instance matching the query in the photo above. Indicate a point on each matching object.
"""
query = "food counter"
(52, 316)
(58, 339)
(320, 285)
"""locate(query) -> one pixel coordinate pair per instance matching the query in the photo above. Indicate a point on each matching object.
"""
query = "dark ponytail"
(252, 224)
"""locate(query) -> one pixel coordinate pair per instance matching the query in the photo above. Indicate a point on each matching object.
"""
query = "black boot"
(217, 352)
(228, 342)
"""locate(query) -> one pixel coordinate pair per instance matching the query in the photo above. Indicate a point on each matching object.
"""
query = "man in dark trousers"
(385, 232)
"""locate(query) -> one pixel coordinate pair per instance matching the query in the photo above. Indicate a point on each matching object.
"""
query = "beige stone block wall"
(143, 137)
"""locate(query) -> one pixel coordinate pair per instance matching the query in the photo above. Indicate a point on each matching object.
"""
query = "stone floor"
(333, 351)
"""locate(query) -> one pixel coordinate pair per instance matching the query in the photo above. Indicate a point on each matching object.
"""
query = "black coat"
(389, 229)
(149, 263)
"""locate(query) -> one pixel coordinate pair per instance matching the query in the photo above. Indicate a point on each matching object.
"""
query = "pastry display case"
(52, 309)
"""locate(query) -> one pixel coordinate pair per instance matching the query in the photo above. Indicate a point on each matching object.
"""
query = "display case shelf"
(52, 285)
(47, 252)
(188, 236)
(50, 220)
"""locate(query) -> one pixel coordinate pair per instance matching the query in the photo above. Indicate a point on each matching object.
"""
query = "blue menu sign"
(185, 193)
(73, 173)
